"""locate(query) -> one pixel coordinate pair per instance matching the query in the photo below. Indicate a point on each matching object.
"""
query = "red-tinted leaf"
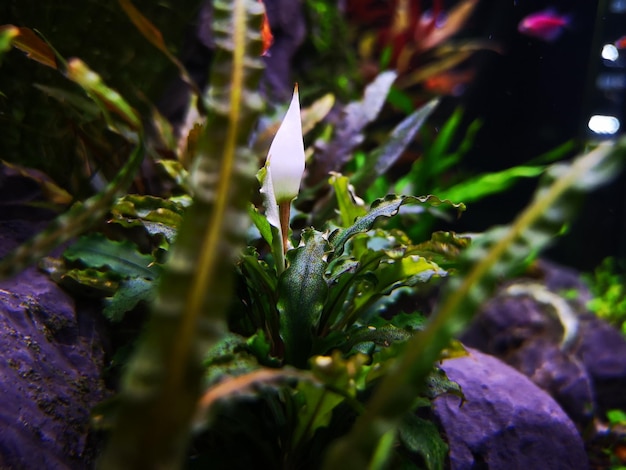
(35, 47)
(154, 36)
(145, 27)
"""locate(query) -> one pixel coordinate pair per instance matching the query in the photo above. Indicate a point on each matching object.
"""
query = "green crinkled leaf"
(389, 274)
(386, 155)
(422, 437)
(407, 321)
(302, 292)
(385, 207)
(438, 383)
(376, 265)
(129, 294)
(443, 248)
(150, 208)
(382, 336)
(97, 251)
(408, 270)
(92, 282)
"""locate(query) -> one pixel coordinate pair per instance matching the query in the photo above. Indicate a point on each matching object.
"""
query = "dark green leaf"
(129, 294)
(386, 207)
(302, 292)
(123, 257)
(422, 437)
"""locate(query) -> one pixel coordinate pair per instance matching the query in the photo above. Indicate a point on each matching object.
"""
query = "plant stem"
(284, 210)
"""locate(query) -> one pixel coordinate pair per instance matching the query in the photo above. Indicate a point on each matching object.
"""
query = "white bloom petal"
(269, 199)
(286, 154)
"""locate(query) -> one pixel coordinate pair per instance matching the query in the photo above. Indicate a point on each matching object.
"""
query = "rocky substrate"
(540, 373)
(50, 374)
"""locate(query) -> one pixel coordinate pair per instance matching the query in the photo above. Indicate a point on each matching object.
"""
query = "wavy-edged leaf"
(372, 276)
(163, 380)
(499, 253)
(155, 214)
(302, 292)
(129, 293)
(123, 258)
(87, 282)
(383, 158)
(338, 378)
(444, 248)
(385, 207)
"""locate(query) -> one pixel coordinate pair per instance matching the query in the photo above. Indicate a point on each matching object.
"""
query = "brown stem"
(284, 209)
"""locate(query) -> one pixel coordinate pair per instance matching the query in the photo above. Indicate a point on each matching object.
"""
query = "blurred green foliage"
(607, 285)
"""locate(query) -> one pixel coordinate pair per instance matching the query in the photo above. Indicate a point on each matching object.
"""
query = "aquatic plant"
(290, 337)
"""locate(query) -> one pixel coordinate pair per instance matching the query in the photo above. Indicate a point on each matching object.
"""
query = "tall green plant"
(494, 255)
(162, 383)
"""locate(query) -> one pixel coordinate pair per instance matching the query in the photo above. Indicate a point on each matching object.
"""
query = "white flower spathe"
(285, 159)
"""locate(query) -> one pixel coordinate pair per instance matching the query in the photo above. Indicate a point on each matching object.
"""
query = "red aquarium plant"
(416, 40)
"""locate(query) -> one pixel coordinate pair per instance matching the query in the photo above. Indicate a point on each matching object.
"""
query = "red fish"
(546, 25)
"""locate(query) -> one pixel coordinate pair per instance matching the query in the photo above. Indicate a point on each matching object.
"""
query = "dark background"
(534, 97)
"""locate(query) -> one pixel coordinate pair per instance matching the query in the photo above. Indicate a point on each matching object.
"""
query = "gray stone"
(506, 422)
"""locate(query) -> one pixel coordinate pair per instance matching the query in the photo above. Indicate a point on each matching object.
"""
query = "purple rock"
(506, 422)
(560, 374)
(50, 369)
(587, 378)
(602, 350)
